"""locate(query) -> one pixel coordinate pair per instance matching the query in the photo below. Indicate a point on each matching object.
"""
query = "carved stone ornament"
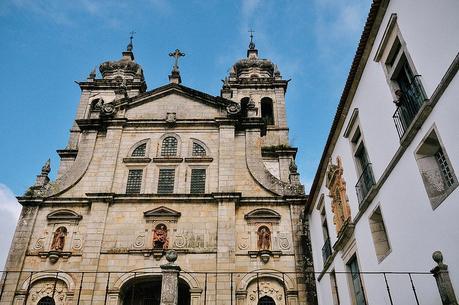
(49, 288)
(337, 187)
(108, 109)
(243, 243)
(266, 288)
(283, 241)
(171, 118)
(160, 239)
(264, 238)
(58, 242)
(233, 108)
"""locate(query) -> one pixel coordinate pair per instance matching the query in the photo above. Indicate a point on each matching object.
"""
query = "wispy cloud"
(9, 213)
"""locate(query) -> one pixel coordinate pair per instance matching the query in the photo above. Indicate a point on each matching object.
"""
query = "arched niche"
(267, 110)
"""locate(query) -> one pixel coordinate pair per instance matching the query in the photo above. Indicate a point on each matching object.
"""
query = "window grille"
(198, 181)
(46, 301)
(139, 151)
(169, 147)
(166, 181)
(198, 150)
(444, 168)
(134, 181)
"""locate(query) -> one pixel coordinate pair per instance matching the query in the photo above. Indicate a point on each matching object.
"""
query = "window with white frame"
(379, 234)
(435, 168)
(405, 83)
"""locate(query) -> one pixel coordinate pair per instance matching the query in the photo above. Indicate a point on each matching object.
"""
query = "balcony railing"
(326, 250)
(365, 182)
(408, 105)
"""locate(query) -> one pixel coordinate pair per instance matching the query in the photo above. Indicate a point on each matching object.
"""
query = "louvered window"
(166, 181)
(198, 181)
(134, 181)
(169, 147)
(139, 151)
(198, 150)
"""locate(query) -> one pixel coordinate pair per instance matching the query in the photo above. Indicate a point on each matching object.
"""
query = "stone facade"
(103, 242)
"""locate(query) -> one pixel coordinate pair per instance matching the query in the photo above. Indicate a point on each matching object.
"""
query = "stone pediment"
(64, 214)
(263, 215)
(162, 212)
(177, 89)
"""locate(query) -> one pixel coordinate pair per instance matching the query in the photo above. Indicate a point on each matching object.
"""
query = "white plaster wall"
(414, 229)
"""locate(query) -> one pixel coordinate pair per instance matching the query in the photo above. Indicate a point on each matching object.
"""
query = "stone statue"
(264, 238)
(160, 240)
(59, 239)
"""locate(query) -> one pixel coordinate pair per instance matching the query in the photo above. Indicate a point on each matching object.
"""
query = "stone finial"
(171, 256)
(441, 275)
(43, 178)
(130, 46)
(292, 167)
(92, 74)
(252, 52)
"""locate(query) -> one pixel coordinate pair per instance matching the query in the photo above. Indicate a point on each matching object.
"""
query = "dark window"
(244, 105)
(169, 147)
(166, 181)
(266, 301)
(46, 301)
(267, 110)
(198, 181)
(134, 181)
(139, 151)
(198, 150)
(356, 282)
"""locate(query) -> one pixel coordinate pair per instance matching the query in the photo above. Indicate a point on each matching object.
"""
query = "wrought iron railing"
(408, 105)
(17, 287)
(326, 250)
(365, 182)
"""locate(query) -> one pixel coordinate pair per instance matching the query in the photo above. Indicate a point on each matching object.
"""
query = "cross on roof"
(176, 54)
(251, 44)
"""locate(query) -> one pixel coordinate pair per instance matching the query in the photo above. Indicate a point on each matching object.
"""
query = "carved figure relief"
(337, 187)
(160, 239)
(264, 238)
(48, 288)
(59, 239)
(266, 288)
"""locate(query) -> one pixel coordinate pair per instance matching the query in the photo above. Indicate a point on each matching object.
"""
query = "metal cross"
(132, 36)
(176, 54)
(251, 35)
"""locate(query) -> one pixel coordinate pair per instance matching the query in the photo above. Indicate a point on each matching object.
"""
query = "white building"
(385, 195)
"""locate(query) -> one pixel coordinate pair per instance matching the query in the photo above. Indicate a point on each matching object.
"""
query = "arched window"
(198, 150)
(267, 110)
(266, 301)
(244, 104)
(169, 147)
(139, 151)
(46, 301)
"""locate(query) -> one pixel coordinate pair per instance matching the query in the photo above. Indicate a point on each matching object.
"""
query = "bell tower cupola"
(256, 83)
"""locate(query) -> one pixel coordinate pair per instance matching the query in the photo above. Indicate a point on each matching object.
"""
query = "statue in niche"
(59, 239)
(264, 238)
(160, 240)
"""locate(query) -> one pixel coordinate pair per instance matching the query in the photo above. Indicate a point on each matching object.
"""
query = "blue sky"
(49, 44)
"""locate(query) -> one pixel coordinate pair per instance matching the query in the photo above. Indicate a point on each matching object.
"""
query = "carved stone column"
(441, 275)
(169, 285)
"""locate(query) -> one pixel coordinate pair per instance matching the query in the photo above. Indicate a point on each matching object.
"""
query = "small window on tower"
(198, 181)
(267, 110)
(166, 181)
(244, 105)
(169, 147)
(198, 150)
(139, 151)
(134, 181)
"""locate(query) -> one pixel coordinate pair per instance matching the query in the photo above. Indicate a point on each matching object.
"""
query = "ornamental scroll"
(337, 187)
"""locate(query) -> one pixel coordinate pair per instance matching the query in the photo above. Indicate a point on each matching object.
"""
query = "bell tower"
(256, 83)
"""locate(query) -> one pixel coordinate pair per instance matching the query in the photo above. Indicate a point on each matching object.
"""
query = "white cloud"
(9, 214)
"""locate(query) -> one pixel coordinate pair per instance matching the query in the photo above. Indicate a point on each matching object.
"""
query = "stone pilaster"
(226, 156)
(441, 275)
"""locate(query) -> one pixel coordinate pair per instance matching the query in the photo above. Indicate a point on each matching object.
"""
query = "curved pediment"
(64, 214)
(263, 214)
(162, 212)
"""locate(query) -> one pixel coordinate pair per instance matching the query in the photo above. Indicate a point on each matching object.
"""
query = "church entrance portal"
(148, 292)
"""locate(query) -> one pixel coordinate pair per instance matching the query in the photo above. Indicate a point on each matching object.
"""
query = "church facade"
(145, 172)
